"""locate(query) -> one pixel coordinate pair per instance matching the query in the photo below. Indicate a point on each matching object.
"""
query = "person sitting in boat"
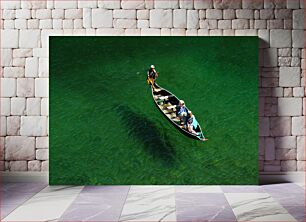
(192, 123)
(182, 112)
(152, 75)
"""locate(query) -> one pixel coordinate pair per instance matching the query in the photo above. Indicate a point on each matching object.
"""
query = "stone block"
(34, 165)
(43, 14)
(264, 36)
(25, 87)
(45, 107)
(18, 166)
(178, 32)
(43, 68)
(245, 14)
(298, 38)
(10, 5)
(58, 13)
(33, 126)
(109, 32)
(266, 14)
(214, 14)
(228, 14)
(29, 38)
(160, 18)
(298, 92)
(289, 76)
(87, 4)
(6, 57)
(203, 4)
(9, 38)
(295, 62)
(3, 126)
(143, 14)
(285, 154)
(5, 106)
(252, 4)
(125, 23)
(13, 72)
(264, 126)
(73, 13)
(86, 18)
(23, 14)
(301, 148)
(8, 14)
(42, 142)
(125, 14)
(13, 125)
(280, 38)
(63, 4)
(270, 57)
(179, 18)
(288, 165)
(293, 4)
(20, 23)
(224, 24)
(33, 106)
(19, 148)
(142, 24)
(166, 4)
(298, 125)
(150, 32)
(283, 14)
(42, 154)
(41, 87)
(298, 19)
(109, 4)
(301, 166)
(18, 106)
(227, 4)
(102, 18)
(289, 106)
(45, 165)
(192, 19)
(31, 67)
(240, 24)
(271, 168)
(165, 32)
(269, 149)
(285, 142)
(22, 53)
(33, 4)
(280, 126)
(8, 87)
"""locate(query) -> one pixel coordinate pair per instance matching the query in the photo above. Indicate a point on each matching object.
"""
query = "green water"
(106, 129)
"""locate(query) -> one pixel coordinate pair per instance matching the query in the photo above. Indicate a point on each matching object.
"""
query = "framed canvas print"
(153, 110)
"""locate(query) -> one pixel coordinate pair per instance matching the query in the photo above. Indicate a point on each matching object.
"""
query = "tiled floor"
(39, 202)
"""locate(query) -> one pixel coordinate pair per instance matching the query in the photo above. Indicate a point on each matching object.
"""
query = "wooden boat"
(167, 103)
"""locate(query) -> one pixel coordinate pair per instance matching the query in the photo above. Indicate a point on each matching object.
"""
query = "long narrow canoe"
(167, 103)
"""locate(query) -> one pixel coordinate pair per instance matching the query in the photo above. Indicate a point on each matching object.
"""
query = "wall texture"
(26, 25)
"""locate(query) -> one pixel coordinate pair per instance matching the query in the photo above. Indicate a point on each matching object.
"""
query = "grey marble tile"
(242, 189)
(47, 205)
(106, 189)
(198, 189)
(283, 188)
(22, 187)
(257, 207)
(298, 212)
(9, 198)
(6, 210)
(289, 199)
(149, 203)
(97, 204)
(203, 207)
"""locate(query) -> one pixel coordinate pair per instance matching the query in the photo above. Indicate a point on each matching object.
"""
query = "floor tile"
(97, 204)
(149, 203)
(298, 212)
(242, 189)
(257, 207)
(283, 188)
(198, 189)
(203, 207)
(289, 199)
(47, 205)
(22, 187)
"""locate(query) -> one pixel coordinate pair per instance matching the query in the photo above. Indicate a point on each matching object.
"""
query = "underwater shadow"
(156, 144)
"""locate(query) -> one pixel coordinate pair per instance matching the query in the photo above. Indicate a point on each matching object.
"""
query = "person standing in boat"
(152, 75)
(182, 112)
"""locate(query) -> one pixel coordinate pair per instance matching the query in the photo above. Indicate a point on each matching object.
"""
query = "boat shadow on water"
(144, 130)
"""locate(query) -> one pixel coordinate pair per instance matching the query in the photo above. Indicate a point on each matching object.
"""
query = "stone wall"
(26, 25)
